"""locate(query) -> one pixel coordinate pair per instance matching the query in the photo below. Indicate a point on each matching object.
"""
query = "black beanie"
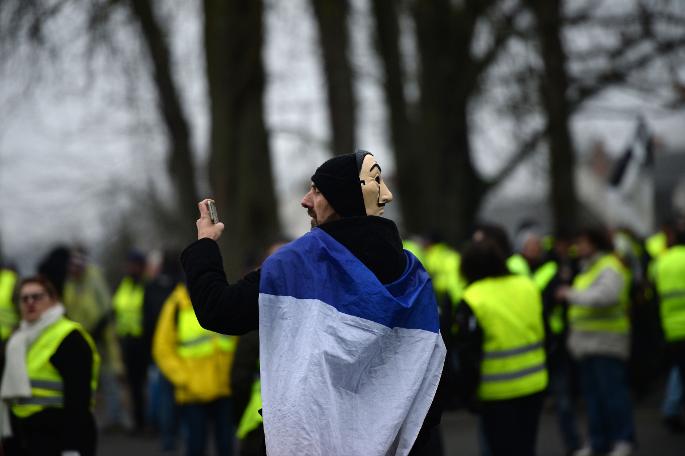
(338, 180)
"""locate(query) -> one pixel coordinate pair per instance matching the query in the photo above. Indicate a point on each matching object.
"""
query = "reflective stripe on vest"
(612, 318)
(41, 402)
(46, 382)
(670, 284)
(128, 308)
(196, 342)
(251, 418)
(8, 312)
(509, 311)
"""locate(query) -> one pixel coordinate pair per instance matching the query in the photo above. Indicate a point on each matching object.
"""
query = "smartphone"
(213, 215)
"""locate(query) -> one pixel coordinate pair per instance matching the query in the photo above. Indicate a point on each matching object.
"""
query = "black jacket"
(233, 309)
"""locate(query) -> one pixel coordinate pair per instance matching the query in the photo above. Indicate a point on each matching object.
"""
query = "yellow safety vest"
(656, 244)
(196, 342)
(46, 382)
(670, 284)
(251, 418)
(612, 318)
(416, 249)
(443, 264)
(128, 308)
(517, 264)
(509, 310)
(8, 311)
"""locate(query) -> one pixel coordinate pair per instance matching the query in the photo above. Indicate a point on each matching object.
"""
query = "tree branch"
(618, 73)
(525, 150)
(505, 31)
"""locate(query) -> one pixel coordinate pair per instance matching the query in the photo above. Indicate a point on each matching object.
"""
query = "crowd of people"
(593, 315)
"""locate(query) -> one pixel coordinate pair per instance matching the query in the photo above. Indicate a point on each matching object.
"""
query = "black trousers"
(42, 434)
(511, 426)
(136, 359)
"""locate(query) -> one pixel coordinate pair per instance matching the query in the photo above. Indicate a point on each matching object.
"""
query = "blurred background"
(117, 116)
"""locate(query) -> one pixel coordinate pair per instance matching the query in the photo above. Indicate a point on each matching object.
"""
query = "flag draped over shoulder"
(349, 366)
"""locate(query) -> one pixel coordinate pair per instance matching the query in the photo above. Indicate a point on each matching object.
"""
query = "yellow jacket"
(196, 379)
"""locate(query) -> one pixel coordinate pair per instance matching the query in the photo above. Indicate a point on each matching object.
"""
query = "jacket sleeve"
(603, 292)
(220, 307)
(74, 362)
(164, 345)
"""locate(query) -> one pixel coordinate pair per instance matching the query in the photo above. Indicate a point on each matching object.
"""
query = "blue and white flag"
(349, 366)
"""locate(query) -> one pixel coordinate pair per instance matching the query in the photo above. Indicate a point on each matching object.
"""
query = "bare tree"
(240, 164)
(331, 19)
(402, 136)
(554, 89)
(438, 182)
(30, 19)
(437, 175)
(181, 166)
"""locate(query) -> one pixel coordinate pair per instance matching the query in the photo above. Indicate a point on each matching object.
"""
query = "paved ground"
(460, 436)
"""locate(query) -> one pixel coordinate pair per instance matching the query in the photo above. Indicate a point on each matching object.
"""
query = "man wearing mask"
(350, 348)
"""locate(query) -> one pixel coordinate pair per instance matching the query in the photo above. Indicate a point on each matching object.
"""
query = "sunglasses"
(32, 297)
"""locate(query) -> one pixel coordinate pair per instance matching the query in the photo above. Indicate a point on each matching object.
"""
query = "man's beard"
(313, 221)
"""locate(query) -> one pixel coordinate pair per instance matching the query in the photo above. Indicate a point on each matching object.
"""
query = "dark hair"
(483, 259)
(43, 282)
(679, 232)
(498, 235)
(599, 237)
(54, 267)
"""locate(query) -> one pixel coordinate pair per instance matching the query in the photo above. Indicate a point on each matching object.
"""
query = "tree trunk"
(240, 173)
(453, 189)
(402, 128)
(181, 166)
(331, 19)
(554, 88)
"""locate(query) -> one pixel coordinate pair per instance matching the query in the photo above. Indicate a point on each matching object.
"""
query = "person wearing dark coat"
(338, 207)
(49, 379)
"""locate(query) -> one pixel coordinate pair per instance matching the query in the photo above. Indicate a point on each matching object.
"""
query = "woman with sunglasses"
(49, 379)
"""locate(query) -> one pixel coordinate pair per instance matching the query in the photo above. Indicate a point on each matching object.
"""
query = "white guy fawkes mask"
(376, 194)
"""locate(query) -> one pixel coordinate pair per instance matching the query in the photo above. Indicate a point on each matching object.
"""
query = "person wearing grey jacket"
(599, 340)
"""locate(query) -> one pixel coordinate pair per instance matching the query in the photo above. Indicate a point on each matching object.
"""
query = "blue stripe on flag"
(316, 266)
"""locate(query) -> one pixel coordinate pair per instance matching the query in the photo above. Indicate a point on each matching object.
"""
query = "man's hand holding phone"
(206, 227)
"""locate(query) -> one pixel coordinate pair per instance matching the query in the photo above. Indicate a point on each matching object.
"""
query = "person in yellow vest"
(657, 245)
(599, 340)
(49, 379)
(500, 344)
(670, 285)
(442, 263)
(128, 317)
(8, 311)
(549, 272)
(198, 363)
(516, 263)
(87, 300)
